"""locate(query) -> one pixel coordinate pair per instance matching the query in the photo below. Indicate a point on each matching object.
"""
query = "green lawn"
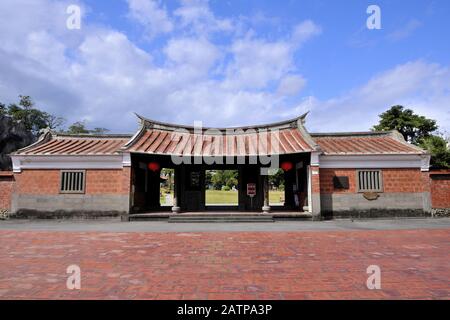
(162, 196)
(219, 196)
(231, 197)
(276, 197)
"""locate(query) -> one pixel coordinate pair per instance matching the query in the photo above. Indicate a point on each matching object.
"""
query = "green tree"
(277, 179)
(208, 177)
(439, 150)
(417, 130)
(54, 122)
(3, 110)
(24, 112)
(79, 127)
(32, 118)
(412, 126)
(99, 130)
(169, 174)
(222, 178)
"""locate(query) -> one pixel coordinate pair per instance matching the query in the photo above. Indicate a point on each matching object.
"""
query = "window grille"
(72, 181)
(369, 181)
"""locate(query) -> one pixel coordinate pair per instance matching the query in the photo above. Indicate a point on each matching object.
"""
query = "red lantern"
(153, 166)
(286, 166)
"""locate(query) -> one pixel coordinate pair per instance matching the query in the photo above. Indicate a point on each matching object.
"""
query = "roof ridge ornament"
(300, 125)
(45, 135)
(153, 124)
(302, 118)
(400, 138)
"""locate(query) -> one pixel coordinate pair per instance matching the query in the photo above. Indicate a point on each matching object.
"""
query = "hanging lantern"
(153, 166)
(286, 166)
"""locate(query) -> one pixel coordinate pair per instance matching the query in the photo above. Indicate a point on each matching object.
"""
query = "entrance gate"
(190, 191)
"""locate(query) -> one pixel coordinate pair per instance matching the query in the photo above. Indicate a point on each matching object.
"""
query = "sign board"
(341, 182)
(251, 189)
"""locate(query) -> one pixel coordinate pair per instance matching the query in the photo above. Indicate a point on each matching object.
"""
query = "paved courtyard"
(186, 264)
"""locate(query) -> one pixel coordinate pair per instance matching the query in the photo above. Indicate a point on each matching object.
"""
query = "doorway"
(277, 189)
(166, 187)
(221, 189)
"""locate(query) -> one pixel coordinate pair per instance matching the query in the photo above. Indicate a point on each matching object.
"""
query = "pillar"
(176, 190)
(315, 192)
(266, 207)
(242, 189)
(314, 186)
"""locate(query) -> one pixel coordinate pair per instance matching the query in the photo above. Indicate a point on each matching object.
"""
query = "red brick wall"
(315, 179)
(440, 189)
(394, 180)
(402, 180)
(97, 181)
(6, 186)
(326, 180)
(37, 182)
(107, 181)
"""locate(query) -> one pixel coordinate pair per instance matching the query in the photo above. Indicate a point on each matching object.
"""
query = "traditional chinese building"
(356, 173)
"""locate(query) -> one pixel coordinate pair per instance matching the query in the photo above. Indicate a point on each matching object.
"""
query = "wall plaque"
(340, 182)
(194, 179)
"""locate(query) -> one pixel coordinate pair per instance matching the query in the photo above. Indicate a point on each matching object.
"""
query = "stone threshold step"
(221, 218)
(219, 221)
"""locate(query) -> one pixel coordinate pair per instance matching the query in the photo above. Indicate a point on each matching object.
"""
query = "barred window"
(72, 181)
(369, 181)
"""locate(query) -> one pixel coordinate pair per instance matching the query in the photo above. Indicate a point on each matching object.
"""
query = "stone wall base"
(61, 214)
(69, 204)
(376, 213)
(440, 212)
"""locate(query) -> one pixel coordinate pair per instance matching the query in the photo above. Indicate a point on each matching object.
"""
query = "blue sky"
(227, 63)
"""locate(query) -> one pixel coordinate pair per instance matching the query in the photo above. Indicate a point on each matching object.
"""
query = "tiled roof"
(170, 139)
(390, 142)
(285, 137)
(76, 145)
(158, 141)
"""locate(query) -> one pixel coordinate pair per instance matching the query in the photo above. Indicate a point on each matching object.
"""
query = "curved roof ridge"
(45, 136)
(172, 126)
(111, 144)
(371, 142)
(95, 135)
(352, 134)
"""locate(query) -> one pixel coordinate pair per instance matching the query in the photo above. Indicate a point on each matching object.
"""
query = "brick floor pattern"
(415, 264)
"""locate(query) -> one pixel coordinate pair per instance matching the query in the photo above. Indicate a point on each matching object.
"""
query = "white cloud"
(418, 85)
(405, 31)
(195, 55)
(107, 77)
(151, 15)
(197, 15)
(305, 31)
(256, 62)
(99, 74)
(110, 54)
(291, 85)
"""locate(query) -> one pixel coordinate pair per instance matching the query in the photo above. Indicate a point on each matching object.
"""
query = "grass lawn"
(162, 196)
(231, 197)
(276, 197)
(219, 196)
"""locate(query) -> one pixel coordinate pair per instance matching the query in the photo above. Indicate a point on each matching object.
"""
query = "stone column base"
(266, 209)
(176, 209)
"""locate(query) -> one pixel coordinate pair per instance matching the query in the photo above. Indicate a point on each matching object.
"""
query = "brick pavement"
(226, 265)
